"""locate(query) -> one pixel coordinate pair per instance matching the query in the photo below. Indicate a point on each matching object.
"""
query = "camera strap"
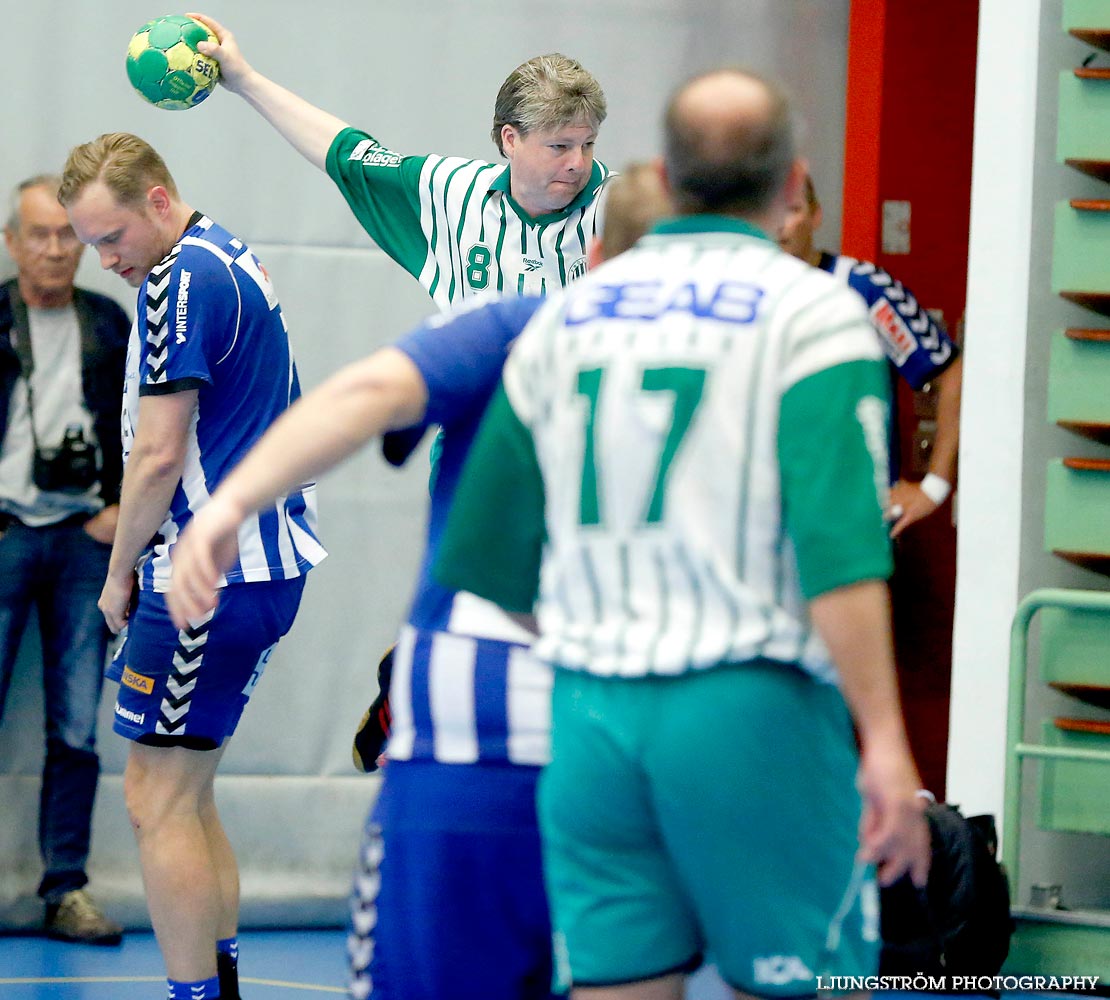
(21, 344)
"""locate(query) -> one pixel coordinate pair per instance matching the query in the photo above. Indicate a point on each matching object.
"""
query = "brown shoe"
(77, 918)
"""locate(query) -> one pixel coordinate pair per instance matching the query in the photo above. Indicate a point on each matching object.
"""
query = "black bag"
(960, 924)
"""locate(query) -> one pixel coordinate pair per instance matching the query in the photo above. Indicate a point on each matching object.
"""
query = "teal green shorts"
(712, 814)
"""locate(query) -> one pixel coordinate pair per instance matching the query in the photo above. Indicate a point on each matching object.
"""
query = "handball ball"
(164, 66)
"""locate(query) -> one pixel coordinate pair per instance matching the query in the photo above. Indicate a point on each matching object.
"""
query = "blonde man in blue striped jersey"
(209, 368)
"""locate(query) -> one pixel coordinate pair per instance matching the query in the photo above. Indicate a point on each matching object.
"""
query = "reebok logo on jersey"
(135, 717)
(779, 970)
(137, 681)
(182, 306)
(897, 340)
(531, 264)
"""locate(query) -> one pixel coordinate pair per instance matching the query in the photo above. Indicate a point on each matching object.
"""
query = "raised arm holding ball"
(523, 227)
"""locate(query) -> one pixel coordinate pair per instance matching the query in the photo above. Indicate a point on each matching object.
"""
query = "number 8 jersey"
(452, 224)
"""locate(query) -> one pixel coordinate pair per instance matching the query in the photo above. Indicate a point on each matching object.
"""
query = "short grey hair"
(15, 203)
(736, 168)
(545, 93)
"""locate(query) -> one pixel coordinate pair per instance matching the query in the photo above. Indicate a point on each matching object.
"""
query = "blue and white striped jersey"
(915, 344)
(465, 687)
(912, 340)
(207, 319)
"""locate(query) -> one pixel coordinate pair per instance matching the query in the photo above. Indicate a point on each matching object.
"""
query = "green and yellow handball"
(164, 66)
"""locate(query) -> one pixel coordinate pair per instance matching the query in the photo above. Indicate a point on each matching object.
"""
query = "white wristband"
(935, 488)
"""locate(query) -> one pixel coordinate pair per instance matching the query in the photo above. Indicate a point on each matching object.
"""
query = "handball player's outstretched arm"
(382, 392)
(309, 129)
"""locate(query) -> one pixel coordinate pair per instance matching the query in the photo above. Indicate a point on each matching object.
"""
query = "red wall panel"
(909, 131)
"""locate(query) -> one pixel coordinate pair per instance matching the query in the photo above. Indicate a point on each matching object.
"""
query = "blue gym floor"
(274, 965)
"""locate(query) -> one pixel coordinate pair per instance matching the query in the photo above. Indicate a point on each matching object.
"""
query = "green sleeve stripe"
(493, 543)
(832, 453)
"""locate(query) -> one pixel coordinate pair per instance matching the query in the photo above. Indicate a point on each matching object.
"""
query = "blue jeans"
(61, 570)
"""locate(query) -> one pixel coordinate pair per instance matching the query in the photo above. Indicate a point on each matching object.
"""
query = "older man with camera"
(62, 356)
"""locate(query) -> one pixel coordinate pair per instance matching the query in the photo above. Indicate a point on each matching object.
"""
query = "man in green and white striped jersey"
(461, 226)
(684, 474)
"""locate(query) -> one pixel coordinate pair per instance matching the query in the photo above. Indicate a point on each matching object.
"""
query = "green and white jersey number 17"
(685, 387)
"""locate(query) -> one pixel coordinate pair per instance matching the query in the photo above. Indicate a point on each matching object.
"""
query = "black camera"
(69, 468)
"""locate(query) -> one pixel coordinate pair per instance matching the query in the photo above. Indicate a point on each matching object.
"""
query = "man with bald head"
(683, 477)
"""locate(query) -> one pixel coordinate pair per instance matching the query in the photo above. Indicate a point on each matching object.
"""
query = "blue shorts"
(189, 687)
(448, 900)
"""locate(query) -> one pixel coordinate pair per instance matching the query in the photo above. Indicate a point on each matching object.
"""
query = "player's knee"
(136, 797)
(155, 795)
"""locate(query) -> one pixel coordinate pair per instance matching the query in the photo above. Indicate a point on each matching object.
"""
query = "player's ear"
(794, 188)
(509, 136)
(594, 254)
(660, 168)
(158, 198)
